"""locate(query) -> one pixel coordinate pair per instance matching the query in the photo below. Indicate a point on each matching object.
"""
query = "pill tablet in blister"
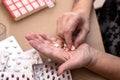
(10, 45)
(15, 76)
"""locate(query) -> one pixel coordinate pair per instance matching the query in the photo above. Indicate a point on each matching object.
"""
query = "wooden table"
(45, 21)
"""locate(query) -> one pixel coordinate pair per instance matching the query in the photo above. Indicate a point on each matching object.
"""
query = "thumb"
(66, 66)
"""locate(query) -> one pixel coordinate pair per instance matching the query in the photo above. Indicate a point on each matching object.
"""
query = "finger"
(47, 51)
(44, 39)
(61, 24)
(41, 48)
(47, 37)
(51, 40)
(34, 44)
(68, 35)
(80, 38)
(68, 39)
(30, 36)
(35, 37)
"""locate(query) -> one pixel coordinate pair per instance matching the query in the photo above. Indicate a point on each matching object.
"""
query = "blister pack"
(24, 62)
(11, 45)
(13, 61)
(28, 65)
(48, 71)
(3, 60)
(32, 54)
(22, 8)
(20, 65)
(15, 76)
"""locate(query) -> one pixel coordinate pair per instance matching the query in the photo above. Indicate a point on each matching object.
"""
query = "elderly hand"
(73, 28)
(83, 56)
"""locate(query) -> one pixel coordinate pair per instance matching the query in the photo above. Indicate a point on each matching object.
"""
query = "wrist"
(83, 6)
(82, 13)
(94, 57)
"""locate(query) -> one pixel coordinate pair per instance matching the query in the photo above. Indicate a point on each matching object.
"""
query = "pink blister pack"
(48, 71)
(22, 8)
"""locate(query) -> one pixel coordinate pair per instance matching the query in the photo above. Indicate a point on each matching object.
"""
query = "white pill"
(56, 45)
(17, 70)
(11, 40)
(19, 52)
(5, 55)
(10, 53)
(14, 46)
(2, 63)
(72, 48)
(8, 66)
(18, 62)
(6, 47)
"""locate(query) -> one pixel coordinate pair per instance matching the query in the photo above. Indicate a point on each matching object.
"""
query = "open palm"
(70, 60)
